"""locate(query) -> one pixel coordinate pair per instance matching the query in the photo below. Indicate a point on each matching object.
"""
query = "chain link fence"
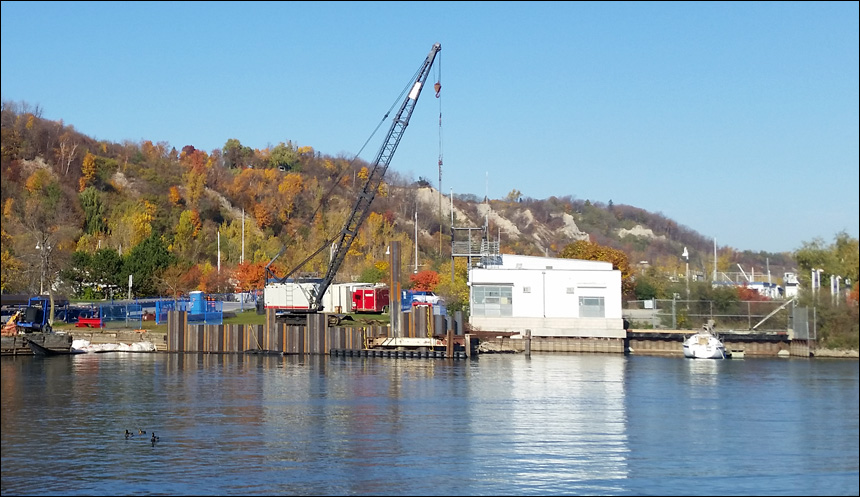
(675, 314)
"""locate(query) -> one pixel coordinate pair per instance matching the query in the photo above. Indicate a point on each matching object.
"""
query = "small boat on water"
(705, 344)
(41, 350)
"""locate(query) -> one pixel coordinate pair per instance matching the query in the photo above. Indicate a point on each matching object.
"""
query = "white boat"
(704, 344)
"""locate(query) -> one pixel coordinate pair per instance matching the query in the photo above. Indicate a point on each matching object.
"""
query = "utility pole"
(686, 256)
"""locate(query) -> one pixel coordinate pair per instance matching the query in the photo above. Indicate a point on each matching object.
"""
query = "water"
(551, 424)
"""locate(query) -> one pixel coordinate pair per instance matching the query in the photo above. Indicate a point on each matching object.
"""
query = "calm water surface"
(495, 425)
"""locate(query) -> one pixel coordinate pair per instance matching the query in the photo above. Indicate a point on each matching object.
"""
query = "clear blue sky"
(737, 120)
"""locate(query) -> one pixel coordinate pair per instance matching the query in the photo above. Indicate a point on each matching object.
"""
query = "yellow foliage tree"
(88, 171)
(456, 291)
(289, 188)
(142, 222)
(8, 208)
(195, 182)
(37, 181)
(9, 264)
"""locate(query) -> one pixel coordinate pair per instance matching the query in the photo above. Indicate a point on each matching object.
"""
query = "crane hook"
(438, 88)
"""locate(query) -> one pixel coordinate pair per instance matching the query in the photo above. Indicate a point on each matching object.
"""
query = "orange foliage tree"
(174, 196)
(426, 280)
(214, 281)
(250, 276)
(746, 293)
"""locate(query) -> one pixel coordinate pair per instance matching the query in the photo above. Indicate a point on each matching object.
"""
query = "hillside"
(71, 193)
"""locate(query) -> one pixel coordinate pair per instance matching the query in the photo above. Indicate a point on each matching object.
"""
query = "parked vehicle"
(371, 300)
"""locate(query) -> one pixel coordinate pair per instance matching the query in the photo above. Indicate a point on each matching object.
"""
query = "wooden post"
(449, 343)
(528, 343)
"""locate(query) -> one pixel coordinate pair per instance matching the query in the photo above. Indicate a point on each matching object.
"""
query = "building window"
(527, 289)
(492, 300)
(591, 307)
(571, 290)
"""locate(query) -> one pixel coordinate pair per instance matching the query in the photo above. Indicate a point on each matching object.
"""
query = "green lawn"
(247, 317)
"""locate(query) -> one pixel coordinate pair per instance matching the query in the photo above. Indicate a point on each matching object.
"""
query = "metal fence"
(198, 312)
(770, 315)
(121, 315)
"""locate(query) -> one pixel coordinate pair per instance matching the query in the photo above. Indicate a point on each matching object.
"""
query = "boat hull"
(704, 346)
(41, 350)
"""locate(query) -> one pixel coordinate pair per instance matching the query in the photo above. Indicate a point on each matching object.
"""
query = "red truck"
(372, 300)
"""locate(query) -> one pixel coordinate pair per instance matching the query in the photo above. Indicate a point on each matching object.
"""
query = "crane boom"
(361, 208)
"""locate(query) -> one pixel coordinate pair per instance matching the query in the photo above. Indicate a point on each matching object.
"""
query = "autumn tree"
(214, 280)
(174, 196)
(251, 276)
(172, 280)
(585, 250)
(455, 291)
(426, 280)
(9, 264)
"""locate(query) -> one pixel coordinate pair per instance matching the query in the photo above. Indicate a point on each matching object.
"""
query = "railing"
(763, 316)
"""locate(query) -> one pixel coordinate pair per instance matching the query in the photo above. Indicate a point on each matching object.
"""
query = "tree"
(837, 259)
(9, 264)
(88, 171)
(250, 276)
(171, 281)
(284, 157)
(186, 231)
(513, 196)
(94, 211)
(456, 291)
(215, 281)
(235, 155)
(145, 262)
(589, 251)
(426, 280)
(377, 273)
(106, 271)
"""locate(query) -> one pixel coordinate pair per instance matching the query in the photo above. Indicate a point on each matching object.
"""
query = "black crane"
(361, 208)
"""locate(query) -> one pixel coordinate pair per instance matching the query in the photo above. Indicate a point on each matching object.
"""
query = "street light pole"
(43, 248)
(686, 256)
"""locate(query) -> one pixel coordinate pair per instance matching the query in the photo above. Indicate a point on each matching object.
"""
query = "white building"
(549, 296)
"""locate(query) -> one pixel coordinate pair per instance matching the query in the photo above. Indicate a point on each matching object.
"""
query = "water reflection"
(504, 424)
(561, 418)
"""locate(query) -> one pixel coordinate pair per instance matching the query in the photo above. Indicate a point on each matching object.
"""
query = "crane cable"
(438, 88)
(324, 199)
(397, 100)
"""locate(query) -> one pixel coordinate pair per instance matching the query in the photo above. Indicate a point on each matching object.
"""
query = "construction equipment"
(35, 316)
(294, 300)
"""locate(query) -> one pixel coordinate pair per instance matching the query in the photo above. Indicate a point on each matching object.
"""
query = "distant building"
(791, 285)
(763, 288)
(550, 296)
